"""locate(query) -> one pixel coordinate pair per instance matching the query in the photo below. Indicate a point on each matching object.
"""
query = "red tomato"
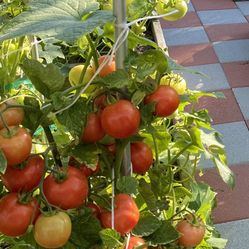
(15, 217)
(135, 242)
(108, 68)
(26, 179)
(68, 193)
(141, 157)
(84, 169)
(191, 234)
(126, 214)
(121, 119)
(166, 98)
(93, 131)
(17, 147)
(12, 116)
(36, 207)
(100, 101)
(95, 210)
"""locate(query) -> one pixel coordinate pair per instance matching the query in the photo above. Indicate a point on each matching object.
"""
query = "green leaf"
(217, 242)
(165, 234)
(110, 238)
(64, 20)
(3, 162)
(148, 195)
(86, 154)
(225, 172)
(50, 52)
(148, 224)
(46, 79)
(117, 79)
(128, 185)
(74, 118)
(138, 97)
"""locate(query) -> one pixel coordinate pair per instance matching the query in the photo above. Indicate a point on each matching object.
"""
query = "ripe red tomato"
(121, 119)
(16, 147)
(84, 169)
(25, 179)
(68, 193)
(166, 98)
(100, 101)
(95, 209)
(52, 231)
(12, 116)
(36, 207)
(108, 68)
(93, 131)
(191, 234)
(135, 242)
(126, 214)
(141, 157)
(15, 217)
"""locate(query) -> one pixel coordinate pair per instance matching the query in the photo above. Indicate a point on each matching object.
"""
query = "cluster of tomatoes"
(68, 189)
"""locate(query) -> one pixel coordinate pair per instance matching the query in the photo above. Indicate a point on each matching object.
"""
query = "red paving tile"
(231, 204)
(228, 110)
(247, 17)
(247, 123)
(213, 4)
(227, 32)
(192, 55)
(190, 20)
(237, 73)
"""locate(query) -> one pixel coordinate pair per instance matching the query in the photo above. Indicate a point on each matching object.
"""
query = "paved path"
(214, 38)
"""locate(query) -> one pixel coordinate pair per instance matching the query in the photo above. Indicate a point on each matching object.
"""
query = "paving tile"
(236, 232)
(190, 55)
(236, 139)
(247, 123)
(184, 36)
(244, 7)
(190, 7)
(213, 4)
(242, 96)
(190, 20)
(225, 32)
(232, 204)
(230, 51)
(221, 110)
(210, 17)
(237, 73)
(214, 78)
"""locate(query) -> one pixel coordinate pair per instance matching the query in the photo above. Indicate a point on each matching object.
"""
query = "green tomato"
(75, 72)
(176, 81)
(180, 5)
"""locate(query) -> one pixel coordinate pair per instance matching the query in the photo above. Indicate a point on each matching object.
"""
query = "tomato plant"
(52, 231)
(166, 99)
(15, 217)
(132, 114)
(191, 234)
(141, 157)
(16, 144)
(121, 119)
(12, 116)
(25, 178)
(126, 214)
(68, 190)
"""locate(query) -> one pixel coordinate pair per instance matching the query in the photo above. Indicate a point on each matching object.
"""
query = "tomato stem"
(5, 124)
(54, 149)
(94, 50)
(156, 148)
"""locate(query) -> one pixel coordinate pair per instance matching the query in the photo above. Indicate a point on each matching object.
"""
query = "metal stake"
(119, 11)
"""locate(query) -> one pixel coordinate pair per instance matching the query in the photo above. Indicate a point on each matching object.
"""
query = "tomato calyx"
(25, 198)
(9, 132)
(60, 175)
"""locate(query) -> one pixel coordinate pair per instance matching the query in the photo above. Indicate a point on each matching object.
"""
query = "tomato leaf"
(74, 117)
(110, 238)
(148, 224)
(128, 185)
(3, 162)
(117, 79)
(46, 79)
(64, 20)
(50, 52)
(138, 97)
(217, 242)
(165, 234)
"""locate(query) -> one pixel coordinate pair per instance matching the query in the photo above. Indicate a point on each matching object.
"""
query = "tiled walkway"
(214, 38)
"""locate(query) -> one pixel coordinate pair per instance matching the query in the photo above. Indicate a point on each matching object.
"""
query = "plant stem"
(156, 148)
(94, 50)
(4, 123)
(173, 160)
(54, 148)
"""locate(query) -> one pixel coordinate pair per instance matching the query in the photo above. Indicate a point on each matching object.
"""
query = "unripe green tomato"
(75, 72)
(180, 5)
(176, 81)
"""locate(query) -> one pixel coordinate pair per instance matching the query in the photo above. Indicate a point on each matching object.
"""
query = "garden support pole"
(119, 11)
